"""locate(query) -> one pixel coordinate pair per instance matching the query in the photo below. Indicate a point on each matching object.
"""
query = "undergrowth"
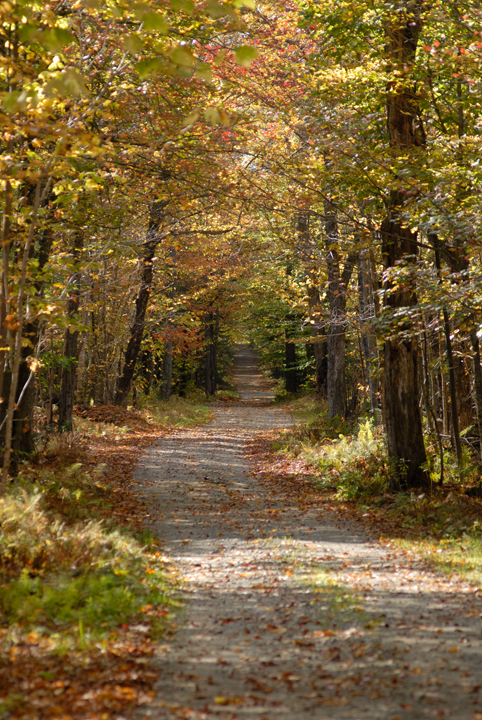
(61, 578)
(67, 571)
(350, 463)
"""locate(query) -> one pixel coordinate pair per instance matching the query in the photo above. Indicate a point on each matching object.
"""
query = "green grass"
(339, 605)
(176, 412)
(78, 580)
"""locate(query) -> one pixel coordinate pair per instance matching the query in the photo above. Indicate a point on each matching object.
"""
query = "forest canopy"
(177, 174)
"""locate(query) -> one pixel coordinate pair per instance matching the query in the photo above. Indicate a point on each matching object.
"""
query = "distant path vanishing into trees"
(291, 614)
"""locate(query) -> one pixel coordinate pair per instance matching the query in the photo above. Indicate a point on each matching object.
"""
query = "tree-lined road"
(290, 614)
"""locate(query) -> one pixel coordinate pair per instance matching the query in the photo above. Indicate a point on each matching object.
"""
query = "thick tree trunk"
(137, 330)
(402, 412)
(401, 392)
(291, 372)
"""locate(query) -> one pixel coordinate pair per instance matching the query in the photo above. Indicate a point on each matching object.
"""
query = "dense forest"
(175, 175)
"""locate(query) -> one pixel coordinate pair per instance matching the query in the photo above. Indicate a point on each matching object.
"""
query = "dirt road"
(289, 614)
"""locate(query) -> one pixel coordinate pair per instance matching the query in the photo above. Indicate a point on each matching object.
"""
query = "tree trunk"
(16, 416)
(336, 334)
(137, 330)
(367, 313)
(69, 369)
(320, 349)
(402, 412)
(477, 384)
(167, 369)
(401, 393)
(210, 357)
(291, 372)
(337, 285)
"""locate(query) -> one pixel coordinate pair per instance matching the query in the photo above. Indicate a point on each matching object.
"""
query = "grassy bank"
(85, 592)
(349, 466)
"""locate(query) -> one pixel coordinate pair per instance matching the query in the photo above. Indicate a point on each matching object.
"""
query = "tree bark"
(69, 369)
(336, 334)
(210, 357)
(291, 372)
(137, 330)
(477, 384)
(337, 285)
(320, 349)
(167, 359)
(402, 412)
(367, 313)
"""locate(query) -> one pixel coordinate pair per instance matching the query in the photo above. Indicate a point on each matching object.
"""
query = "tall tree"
(399, 243)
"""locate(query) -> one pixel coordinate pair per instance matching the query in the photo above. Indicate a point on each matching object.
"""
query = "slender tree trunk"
(337, 288)
(320, 349)
(477, 384)
(210, 357)
(4, 297)
(367, 338)
(336, 334)
(167, 359)
(69, 370)
(137, 330)
(452, 385)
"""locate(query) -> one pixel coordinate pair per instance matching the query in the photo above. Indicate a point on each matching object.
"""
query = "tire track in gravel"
(291, 615)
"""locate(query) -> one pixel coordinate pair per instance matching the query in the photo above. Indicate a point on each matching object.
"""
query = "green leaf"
(183, 56)
(132, 43)
(74, 82)
(68, 82)
(247, 3)
(9, 101)
(27, 33)
(203, 72)
(245, 54)
(217, 9)
(55, 39)
(154, 21)
(186, 6)
(145, 67)
(191, 118)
